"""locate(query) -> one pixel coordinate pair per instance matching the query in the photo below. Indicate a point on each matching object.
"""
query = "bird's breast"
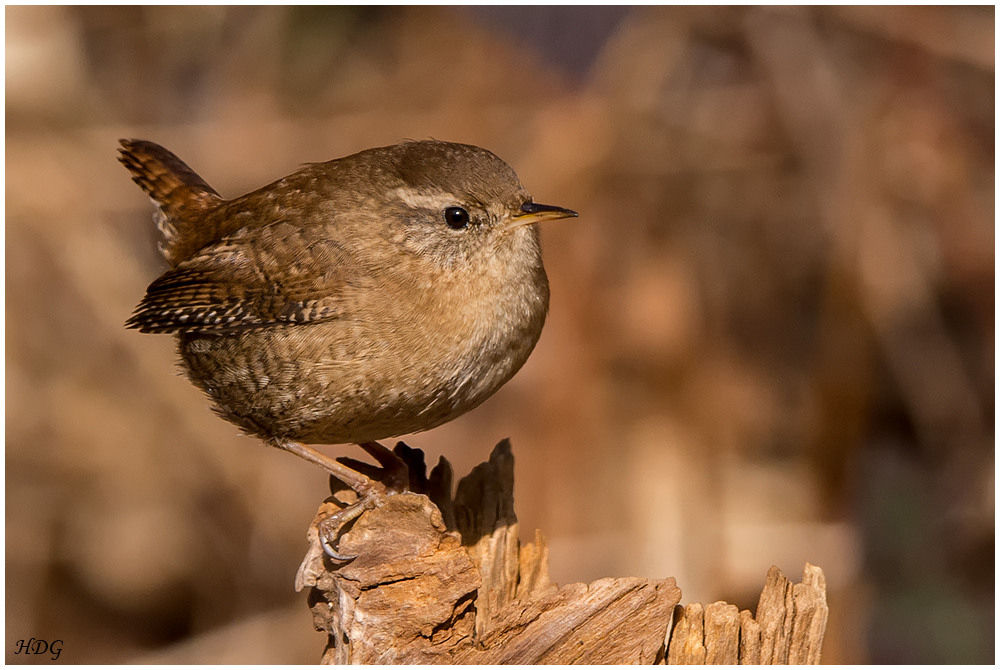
(404, 357)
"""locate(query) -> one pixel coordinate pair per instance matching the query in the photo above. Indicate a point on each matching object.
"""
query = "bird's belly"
(341, 382)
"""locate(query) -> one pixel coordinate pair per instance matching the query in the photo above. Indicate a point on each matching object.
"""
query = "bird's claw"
(332, 526)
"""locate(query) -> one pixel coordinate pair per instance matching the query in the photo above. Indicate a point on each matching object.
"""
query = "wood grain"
(788, 629)
(419, 592)
(458, 587)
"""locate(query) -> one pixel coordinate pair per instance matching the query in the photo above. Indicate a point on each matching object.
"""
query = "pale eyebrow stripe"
(438, 200)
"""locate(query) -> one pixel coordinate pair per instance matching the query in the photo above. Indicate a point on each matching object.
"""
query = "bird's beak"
(535, 213)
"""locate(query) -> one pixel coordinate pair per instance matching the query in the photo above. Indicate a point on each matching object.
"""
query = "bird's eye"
(456, 218)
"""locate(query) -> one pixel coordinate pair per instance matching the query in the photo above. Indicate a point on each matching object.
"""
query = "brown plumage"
(354, 300)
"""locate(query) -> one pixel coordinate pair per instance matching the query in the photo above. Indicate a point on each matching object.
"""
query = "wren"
(367, 297)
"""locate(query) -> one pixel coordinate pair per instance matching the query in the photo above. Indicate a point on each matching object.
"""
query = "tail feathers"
(181, 196)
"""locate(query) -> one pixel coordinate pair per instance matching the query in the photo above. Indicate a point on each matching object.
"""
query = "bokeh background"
(771, 338)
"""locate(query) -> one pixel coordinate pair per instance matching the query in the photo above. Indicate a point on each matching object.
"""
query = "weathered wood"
(609, 621)
(749, 639)
(811, 613)
(534, 570)
(722, 634)
(788, 629)
(484, 512)
(687, 644)
(774, 614)
(419, 592)
(407, 597)
(447, 581)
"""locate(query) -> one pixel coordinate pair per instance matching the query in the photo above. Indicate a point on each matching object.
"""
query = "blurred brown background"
(772, 327)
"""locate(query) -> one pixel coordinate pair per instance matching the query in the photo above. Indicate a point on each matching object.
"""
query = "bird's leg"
(360, 483)
(369, 492)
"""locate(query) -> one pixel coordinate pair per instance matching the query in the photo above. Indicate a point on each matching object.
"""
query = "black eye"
(456, 217)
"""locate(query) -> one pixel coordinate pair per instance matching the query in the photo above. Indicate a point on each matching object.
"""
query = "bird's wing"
(278, 274)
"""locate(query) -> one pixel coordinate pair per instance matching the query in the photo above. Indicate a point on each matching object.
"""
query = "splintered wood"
(788, 628)
(421, 592)
(438, 579)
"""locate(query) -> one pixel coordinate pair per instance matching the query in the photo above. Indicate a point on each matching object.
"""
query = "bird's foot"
(371, 483)
(391, 472)
(331, 528)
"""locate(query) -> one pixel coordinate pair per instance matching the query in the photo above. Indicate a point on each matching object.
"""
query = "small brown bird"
(355, 300)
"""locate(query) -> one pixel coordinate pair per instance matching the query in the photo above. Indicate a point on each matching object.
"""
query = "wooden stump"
(442, 579)
(788, 628)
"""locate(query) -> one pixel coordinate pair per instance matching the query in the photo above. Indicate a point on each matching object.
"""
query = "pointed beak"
(535, 213)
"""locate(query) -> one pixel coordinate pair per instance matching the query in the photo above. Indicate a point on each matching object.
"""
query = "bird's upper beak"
(534, 213)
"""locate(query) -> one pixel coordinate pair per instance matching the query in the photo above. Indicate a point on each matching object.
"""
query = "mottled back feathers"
(269, 272)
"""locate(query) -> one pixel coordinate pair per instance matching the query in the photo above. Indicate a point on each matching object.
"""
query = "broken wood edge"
(447, 581)
(421, 592)
(788, 628)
